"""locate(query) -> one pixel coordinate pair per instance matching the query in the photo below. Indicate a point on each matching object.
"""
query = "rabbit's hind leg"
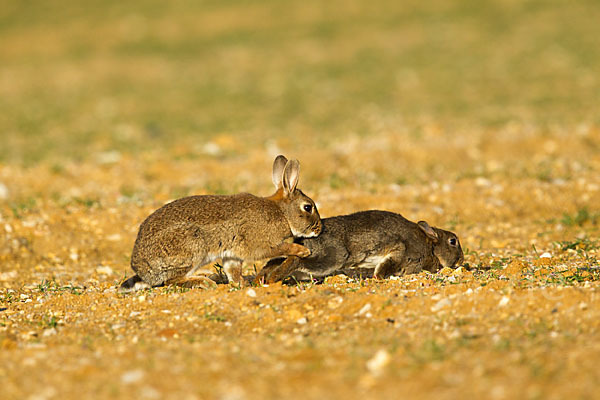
(261, 276)
(391, 263)
(193, 282)
(279, 272)
(133, 284)
(233, 270)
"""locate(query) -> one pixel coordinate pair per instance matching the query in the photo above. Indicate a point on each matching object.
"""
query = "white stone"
(115, 237)
(3, 191)
(49, 332)
(378, 362)
(443, 303)
(148, 392)
(211, 148)
(365, 309)
(482, 182)
(132, 376)
(108, 157)
(335, 302)
(104, 270)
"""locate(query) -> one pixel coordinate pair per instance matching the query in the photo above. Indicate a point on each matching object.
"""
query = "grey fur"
(188, 233)
(372, 244)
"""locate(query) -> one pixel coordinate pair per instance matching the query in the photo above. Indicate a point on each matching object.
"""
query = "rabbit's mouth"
(312, 231)
(309, 234)
(457, 263)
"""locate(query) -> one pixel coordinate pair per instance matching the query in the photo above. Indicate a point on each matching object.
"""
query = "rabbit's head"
(299, 210)
(446, 246)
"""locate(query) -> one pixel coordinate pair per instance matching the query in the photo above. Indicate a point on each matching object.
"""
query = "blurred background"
(191, 77)
(466, 113)
(481, 117)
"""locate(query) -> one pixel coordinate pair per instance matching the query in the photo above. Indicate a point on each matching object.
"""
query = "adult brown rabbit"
(181, 236)
(370, 243)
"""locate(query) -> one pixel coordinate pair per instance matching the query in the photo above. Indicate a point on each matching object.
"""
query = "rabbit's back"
(214, 210)
(366, 232)
(360, 240)
(207, 224)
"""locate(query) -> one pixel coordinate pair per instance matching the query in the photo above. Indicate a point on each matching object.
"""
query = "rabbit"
(372, 244)
(181, 236)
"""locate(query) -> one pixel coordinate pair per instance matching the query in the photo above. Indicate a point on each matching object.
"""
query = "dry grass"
(478, 118)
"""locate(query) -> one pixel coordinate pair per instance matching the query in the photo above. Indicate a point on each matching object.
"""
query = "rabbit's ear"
(278, 167)
(431, 234)
(290, 176)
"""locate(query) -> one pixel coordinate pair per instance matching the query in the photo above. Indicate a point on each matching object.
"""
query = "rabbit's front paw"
(303, 251)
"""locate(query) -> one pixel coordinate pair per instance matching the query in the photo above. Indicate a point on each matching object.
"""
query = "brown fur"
(190, 232)
(370, 244)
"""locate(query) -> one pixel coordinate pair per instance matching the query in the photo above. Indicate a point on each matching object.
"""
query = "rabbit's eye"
(307, 208)
(452, 242)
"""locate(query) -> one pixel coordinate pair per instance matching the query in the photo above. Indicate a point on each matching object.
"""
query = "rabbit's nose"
(320, 227)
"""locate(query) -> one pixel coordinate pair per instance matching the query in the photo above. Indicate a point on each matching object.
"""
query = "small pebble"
(104, 270)
(108, 157)
(49, 332)
(335, 302)
(443, 303)
(7, 276)
(148, 392)
(365, 309)
(211, 148)
(132, 376)
(3, 191)
(378, 362)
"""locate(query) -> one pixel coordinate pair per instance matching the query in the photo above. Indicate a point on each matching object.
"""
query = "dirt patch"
(519, 320)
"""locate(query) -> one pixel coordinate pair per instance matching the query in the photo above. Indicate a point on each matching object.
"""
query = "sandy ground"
(478, 117)
(520, 319)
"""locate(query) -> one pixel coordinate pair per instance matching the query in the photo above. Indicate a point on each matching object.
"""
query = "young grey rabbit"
(369, 243)
(181, 236)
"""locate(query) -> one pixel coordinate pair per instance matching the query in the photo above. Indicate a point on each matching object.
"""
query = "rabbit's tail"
(133, 284)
